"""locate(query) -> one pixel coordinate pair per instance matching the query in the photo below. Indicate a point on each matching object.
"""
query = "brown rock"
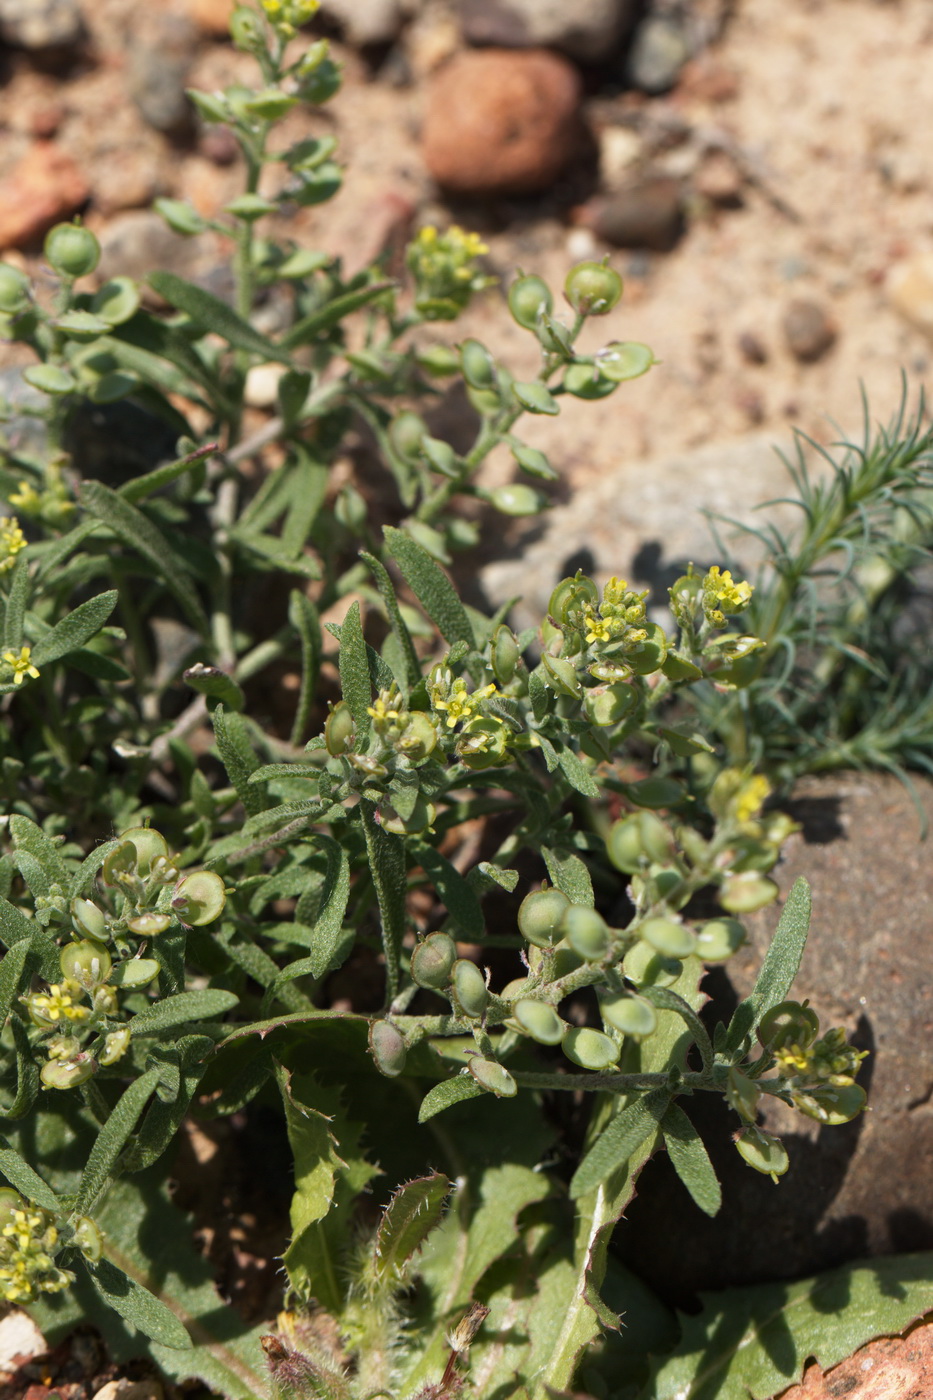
(752, 348)
(44, 187)
(645, 214)
(808, 329)
(212, 17)
(910, 291)
(719, 181)
(498, 122)
(891, 1368)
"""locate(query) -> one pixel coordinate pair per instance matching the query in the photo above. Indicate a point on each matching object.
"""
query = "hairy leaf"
(209, 313)
(413, 1212)
(447, 1093)
(75, 629)
(137, 1306)
(112, 1139)
(780, 965)
(691, 1160)
(21, 1175)
(181, 1009)
(431, 586)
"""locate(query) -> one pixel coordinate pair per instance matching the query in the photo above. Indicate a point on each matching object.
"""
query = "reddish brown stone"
(45, 186)
(498, 121)
(212, 17)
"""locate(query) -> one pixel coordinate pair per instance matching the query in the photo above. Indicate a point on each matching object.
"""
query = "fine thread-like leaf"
(691, 1160)
(431, 586)
(624, 1135)
(111, 1141)
(780, 965)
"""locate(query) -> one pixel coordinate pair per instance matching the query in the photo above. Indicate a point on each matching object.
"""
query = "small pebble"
(752, 349)
(40, 24)
(809, 330)
(910, 291)
(212, 17)
(647, 214)
(366, 22)
(20, 1340)
(501, 122)
(124, 1389)
(157, 73)
(719, 181)
(659, 51)
(218, 145)
(587, 30)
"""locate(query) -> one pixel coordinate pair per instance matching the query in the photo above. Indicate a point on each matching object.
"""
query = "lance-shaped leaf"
(413, 1212)
(691, 1160)
(181, 1009)
(624, 1135)
(386, 853)
(460, 900)
(15, 606)
(137, 1306)
(330, 314)
(754, 1341)
(333, 905)
(666, 1000)
(21, 1175)
(112, 1139)
(238, 758)
(431, 586)
(215, 684)
(75, 629)
(780, 965)
(209, 313)
(569, 874)
(354, 674)
(409, 657)
(32, 839)
(448, 1093)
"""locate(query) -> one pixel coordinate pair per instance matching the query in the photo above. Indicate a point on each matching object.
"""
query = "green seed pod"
(515, 989)
(540, 915)
(517, 499)
(504, 654)
(586, 382)
(420, 819)
(88, 964)
(564, 960)
(610, 704)
(50, 379)
(135, 972)
(387, 1048)
(570, 597)
(536, 398)
(116, 1045)
(743, 1095)
(587, 932)
(638, 840)
(533, 462)
(590, 1049)
(199, 898)
(625, 359)
(339, 730)
(667, 938)
(763, 1151)
(119, 863)
(71, 250)
(270, 103)
(469, 988)
(831, 1104)
(539, 1021)
(211, 106)
(644, 966)
(744, 893)
(441, 456)
(439, 360)
(88, 920)
(246, 30)
(592, 288)
(116, 301)
(529, 298)
(350, 509)
(719, 939)
(561, 675)
(649, 656)
(787, 1024)
(477, 365)
(432, 961)
(149, 843)
(493, 1076)
(148, 925)
(483, 743)
(181, 216)
(667, 883)
(630, 1014)
(554, 337)
(14, 289)
(656, 792)
(68, 1074)
(419, 737)
(406, 433)
(88, 1238)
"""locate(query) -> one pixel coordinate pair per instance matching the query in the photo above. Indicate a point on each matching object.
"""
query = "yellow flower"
(460, 705)
(22, 666)
(598, 629)
(12, 540)
(733, 596)
(751, 797)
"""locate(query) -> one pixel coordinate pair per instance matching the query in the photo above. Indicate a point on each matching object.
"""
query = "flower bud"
(539, 1021)
(669, 939)
(86, 963)
(10, 1202)
(719, 939)
(432, 961)
(632, 1015)
(387, 1048)
(469, 988)
(71, 250)
(540, 915)
(199, 898)
(529, 298)
(587, 932)
(493, 1076)
(592, 288)
(590, 1049)
(763, 1151)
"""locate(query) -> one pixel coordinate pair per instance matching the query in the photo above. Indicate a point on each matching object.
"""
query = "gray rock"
(588, 30)
(862, 1189)
(808, 329)
(157, 73)
(646, 213)
(134, 243)
(40, 24)
(645, 521)
(366, 22)
(659, 50)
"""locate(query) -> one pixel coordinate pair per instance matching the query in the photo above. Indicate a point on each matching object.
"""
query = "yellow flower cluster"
(722, 596)
(57, 1004)
(26, 1265)
(456, 701)
(12, 540)
(619, 616)
(289, 15)
(443, 266)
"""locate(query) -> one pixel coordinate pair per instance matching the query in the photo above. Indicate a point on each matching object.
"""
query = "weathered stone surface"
(44, 187)
(910, 290)
(890, 1368)
(659, 50)
(809, 330)
(157, 72)
(40, 24)
(366, 21)
(865, 1188)
(646, 213)
(20, 1340)
(587, 30)
(212, 17)
(498, 121)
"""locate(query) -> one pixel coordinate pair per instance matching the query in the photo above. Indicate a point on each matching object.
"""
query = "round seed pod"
(589, 1049)
(719, 939)
(565, 960)
(199, 898)
(763, 1151)
(477, 365)
(632, 1015)
(88, 919)
(406, 433)
(743, 894)
(592, 288)
(648, 968)
(789, 1023)
(561, 675)
(72, 250)
(469, 988)
(504, 654)
(14, 289)
(88, 1238)
(610, 704)
(528, 298)
(514, 989)
(149, 843)
(493, 1076)
(626, 359)
(339, 729)
(433, 960)
(586, 932)
(832, 1104)
(517, 499)
(387, 1048)
(67, 1074)
(585, 381)
(670, 939)
(149, 924)
(638, 839)
(656, 792)
(119, 862)
(539, 1020)
(570, 597)
(86, 963)
(540, 915)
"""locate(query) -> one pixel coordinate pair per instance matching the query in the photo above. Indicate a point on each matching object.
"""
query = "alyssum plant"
(498, 841)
